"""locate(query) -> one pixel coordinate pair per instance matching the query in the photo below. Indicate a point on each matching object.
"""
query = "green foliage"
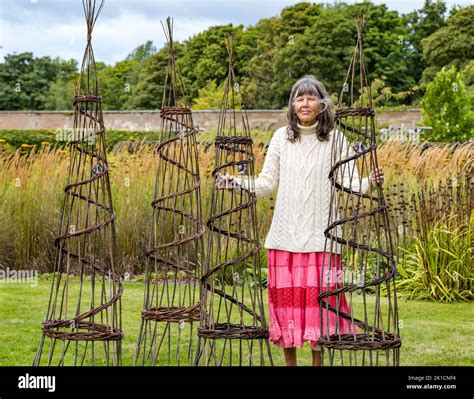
(116, 84)
(142, 52)
(16, 138)
(258, 274)
(255, 280)
(119, 83)
(35, 137)
(281, 56)
(403, 54)
(440, 267)
(421, 24)
(25, 80)
(210, 96)
(385, 47)
(204, 56)
(452, 44)
(259, 80)
(447, 108)
(383, 94)
(148, 92)
(468, 73)
(61, 92)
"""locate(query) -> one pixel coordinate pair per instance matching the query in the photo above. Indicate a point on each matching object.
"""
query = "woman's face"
(306, 108)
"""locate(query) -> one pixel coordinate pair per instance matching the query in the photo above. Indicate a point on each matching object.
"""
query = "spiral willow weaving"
(233, 329)
(83, 319)
(174, 258)
(358, 230)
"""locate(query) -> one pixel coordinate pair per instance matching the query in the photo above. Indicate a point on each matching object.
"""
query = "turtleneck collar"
(307, 129)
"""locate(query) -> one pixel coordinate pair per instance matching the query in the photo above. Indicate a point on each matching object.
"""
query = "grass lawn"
(433, 334)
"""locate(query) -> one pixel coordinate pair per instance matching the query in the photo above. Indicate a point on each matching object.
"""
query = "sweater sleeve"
(349, 171)
(267, 181)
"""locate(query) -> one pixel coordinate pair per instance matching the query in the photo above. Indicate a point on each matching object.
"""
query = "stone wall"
(150, 120)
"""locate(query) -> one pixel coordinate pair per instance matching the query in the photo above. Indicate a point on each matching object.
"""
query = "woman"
(297, 164)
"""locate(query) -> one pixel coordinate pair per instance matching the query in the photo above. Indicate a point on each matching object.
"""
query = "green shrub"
(447, 108)
(39, 137)
(440, 267)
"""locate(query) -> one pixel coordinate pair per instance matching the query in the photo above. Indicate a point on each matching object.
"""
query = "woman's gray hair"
(309, 85)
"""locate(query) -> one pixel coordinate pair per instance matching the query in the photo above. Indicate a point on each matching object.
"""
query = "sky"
(57, 28)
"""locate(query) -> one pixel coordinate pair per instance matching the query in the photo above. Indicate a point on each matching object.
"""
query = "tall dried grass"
(32, 183)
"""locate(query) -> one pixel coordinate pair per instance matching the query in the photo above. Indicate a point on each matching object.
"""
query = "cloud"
(114, 35)
(57, 27)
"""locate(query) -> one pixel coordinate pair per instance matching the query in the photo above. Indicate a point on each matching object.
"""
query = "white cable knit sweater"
(299, 171)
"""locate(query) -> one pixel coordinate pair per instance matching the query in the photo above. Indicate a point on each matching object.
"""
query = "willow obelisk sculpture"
(232, 328)
(358, 229)
(172, 293)
(83, 319)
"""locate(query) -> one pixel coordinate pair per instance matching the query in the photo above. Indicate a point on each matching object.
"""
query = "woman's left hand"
(377, 177)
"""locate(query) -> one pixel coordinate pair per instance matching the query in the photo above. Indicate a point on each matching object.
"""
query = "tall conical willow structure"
(358, 230)
(232, 328)
(83, 319)
(172, 294)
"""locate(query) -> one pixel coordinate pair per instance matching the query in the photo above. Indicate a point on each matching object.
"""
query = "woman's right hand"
(224, 182)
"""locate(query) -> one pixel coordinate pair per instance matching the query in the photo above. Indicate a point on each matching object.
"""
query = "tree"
(386, 49)
(25, 80)
(452, 44)
(269, 57)
(383, 95)
(117, 84)
(447, 108)
(258, 90)
(325, 48)
(319, 40)
(142, 52)
(204, 56)
(270, 74)
(61, 93)
(148, 92)
(210, 96)
(421, 24)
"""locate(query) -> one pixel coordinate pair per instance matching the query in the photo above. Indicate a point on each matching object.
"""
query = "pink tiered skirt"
(293, 290)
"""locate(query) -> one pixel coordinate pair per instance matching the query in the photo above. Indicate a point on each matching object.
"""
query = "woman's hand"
(223, 182)
(377, 177)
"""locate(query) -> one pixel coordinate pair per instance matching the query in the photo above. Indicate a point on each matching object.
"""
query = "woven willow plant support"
(359, 225)
(83, 319)
(232, 328)
(175, 254)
